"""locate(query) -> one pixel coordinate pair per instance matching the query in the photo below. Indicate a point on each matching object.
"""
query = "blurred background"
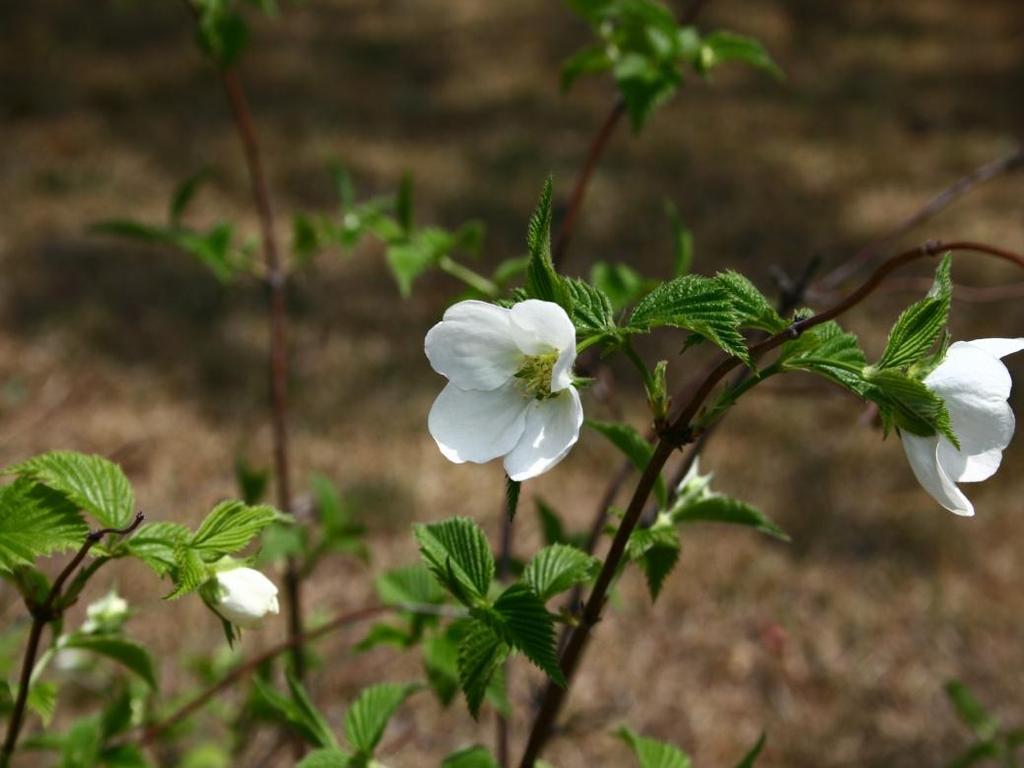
(838, 644)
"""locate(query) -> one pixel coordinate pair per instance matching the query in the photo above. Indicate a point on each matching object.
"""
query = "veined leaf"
(325, 758)
(441, 664)
(36, 520)
(189, 572)
(458, 554)
(721, 46)
(620, 283)
(656, 549)
(829, 351)
(557, 568)
(716, 508)
(297, 712)
(471, 757)
(694, 303)
(481, 654)
(155, 543)
(542, 282)
(908, 404)
(651, 753)
(95, 484)
(409, 584)
(133, 657)
(635, 448)
(592, 312)
(921, 324)
(522, 621)
(753, 309)
(230, 526)
(369, 714)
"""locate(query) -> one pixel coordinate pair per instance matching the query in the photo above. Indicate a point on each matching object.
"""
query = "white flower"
(510, 390)
(244, 596)
(106, 614)
(975, 386)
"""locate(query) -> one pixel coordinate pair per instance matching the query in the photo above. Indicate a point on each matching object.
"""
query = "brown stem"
(554, 695)
(501, 728)
(277, 283)
(41, 616)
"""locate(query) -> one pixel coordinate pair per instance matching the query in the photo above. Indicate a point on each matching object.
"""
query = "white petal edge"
(552, 428)
(473, 346)
(983, 433)
(477, 426)
(970, 377)
(998, 347)
(922, 455)
(543, 326)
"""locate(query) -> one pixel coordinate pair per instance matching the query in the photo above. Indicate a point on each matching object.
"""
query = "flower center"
(534, 375)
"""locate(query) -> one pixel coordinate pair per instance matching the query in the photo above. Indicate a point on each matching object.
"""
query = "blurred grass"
(837, 645)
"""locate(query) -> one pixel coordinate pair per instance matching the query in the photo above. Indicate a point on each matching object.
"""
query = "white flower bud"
(244, 596)
(106, 614)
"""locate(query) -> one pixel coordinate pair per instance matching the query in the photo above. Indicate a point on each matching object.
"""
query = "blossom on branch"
(510, 386)
(975, 386)
(244, 596)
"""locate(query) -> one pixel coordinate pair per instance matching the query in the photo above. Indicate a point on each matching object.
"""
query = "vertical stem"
(501, 731)
(18, 713)
(277, 283)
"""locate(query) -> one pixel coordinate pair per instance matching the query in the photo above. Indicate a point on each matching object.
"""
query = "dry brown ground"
(136, 354)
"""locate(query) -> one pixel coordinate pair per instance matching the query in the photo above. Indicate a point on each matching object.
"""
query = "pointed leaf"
(921, 324)
(34, 521)
(651, 753)
(481, 654)
(542, 282)
(458, 554)
(133, 657)
(369, 714)
(230, 526)
(556, 568)
(635, 448)
(525, 624)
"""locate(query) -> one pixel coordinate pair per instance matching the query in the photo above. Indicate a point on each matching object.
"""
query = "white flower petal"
(921, 453)
(983, 434)
(541, 326)
(998, 347)
(473, 346)
(552, 428)
(971, 378)
(477, 426)
(245, 597)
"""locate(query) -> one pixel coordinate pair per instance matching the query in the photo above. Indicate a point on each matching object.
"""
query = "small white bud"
(244, 596)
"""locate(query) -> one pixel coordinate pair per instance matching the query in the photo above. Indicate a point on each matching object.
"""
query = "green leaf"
(457, 552)
(184, 193)
(592, 313)
(212, 248)
(230, 526)
(408, 585)
(189, 572)
(222, 34)
(441, 664)
(470, 757)
(551, 524)
(970, 711)
(751, 757)
(977, 754)
(695, 303)
(620, 284)
(133, 657)
(584, 62)
(512, 490)
(481, 654)
(155, 545)
(682, 242)
(36, 520)
(324, 758)
(556, 568)
(369, 714)
(908, 404)
(656, 549)
(827, 350)
(753, 309)
(720, 47)
(921, 324)
(82, 744)
(95, 484)
(651, 753)
(717, 508)
(252, 482)
(42, 699)
(297, 712)
(403, 203)
(542, 282)
(524, 623)
(634, 447)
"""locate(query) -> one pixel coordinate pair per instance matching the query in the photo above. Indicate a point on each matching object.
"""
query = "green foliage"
(908, 404)
(650, 753)
(717, 508)
(369, 714)
(325, 758)
(229, 527)
(93, 483)
(634, 447)
(133, 657)
(992, 742)
(512, 490)
(184, 194)
(656, 549)
(471, 757)
(252, 482)
(827, 350)
(457, 553)
(556, 568)
(694, 303)
(553, 529)
(223, 33)
(592, 312)
(36, 520)
(682, 242)
(542, 282)
(521, 620)
(750, 758)
(480, 655)
(921, 324)
(620, 284)
(341, 532)
(645, 49)
(753, 309)
(408, 585)
(296, 711)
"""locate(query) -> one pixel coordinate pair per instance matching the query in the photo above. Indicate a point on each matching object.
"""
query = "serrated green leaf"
(827, 350)
(324, 758)
(36, 520)
(133, 657)
(470, 757)
(481, 654)
(716, 508)
(720, 47)
(525, 624)
(656, 549)
(753, 309)
(96, 485)
(651, 753)
(369, 714)
(694, 303)
(296, 711)
(441, 665)
(908, 404)
(155, 544)
(457, 552)
(592, 313)
(921, 324)
(556, 568)
(42, 699)
(409, 584)
(750, 758)
(542, 282)
(634, 447)
(230, 526)
(212, 248)
(189, 572)
(81, 745)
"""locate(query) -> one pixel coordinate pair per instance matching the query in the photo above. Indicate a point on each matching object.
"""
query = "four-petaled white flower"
(510, 387)
(244, 596)
(975, 386)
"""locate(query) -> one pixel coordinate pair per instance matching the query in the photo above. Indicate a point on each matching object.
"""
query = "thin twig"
(501, 729)
(678, 432)
(153, 731)
(41, 616)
